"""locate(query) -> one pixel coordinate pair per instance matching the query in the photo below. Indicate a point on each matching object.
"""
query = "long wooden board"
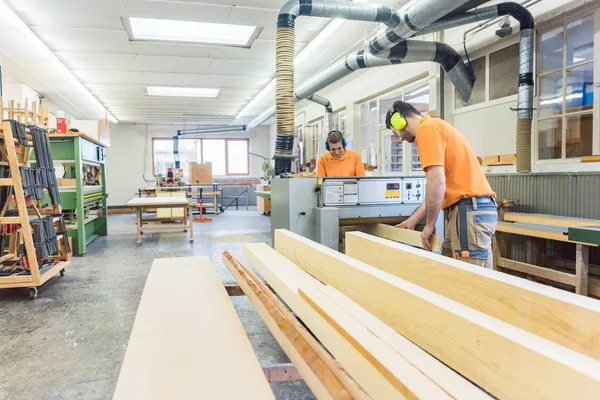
(158, 201)
(482, 348)
(564, 318)
(286, 278)
(410, 237)
(287, 331)
(539, 231)
(187, 341)
(552, 220)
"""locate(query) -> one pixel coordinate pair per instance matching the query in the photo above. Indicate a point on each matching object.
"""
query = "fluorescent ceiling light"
(191, 32)
(183, 92)
(270, 86)
(21, 26)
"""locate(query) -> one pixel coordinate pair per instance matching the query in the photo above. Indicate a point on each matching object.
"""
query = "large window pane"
(163, 156)
(551, 97)
(237, 157)
(393, 154)
(552, 50)
(580, 94)
(580, 40)
(579, 135)
(418, 96)
(504, 66)
(416, 161)
(189, 151)
(213, 151)
(478, 95)
(550, 139)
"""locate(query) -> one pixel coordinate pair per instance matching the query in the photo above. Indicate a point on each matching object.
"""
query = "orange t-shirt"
(349, 165)
(439, 143)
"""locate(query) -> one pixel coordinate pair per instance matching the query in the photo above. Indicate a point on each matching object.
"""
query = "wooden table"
(139, 204)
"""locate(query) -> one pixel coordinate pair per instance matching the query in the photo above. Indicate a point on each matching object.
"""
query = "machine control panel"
(414, 190)
(372, 191)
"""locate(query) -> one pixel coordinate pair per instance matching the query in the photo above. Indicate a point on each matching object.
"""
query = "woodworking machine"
(323, 208)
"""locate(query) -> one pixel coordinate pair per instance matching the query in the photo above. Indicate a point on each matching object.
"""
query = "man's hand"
(408, 224)
(426, 235)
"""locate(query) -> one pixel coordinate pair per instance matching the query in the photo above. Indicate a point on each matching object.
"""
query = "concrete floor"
(69, 343)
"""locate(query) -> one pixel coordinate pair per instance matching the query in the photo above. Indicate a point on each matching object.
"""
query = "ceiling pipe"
(405, 52)
(328, 117)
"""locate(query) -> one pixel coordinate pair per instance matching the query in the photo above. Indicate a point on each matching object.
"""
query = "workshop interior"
(301, 199)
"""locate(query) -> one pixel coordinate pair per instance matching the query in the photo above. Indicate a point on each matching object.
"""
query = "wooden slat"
(540, 272)
(286, 278)
(590, 159)
(406, 236)
(6, 182)
(158, 201)
(165, 228)
(561, 317)
(539, 231)
(552, 220)
(187, 341)
(481, 348)
(286, 330)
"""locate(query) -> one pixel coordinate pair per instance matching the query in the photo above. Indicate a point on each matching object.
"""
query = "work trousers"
(470, 225)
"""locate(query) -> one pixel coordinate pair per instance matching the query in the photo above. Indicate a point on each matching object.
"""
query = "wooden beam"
(590, 159)
(187, 341)
(285, 328)
(286, 278)
(569, 320)
(481, 348)
(539, 231)
(410, 237)
(540, 272)
(552, 220)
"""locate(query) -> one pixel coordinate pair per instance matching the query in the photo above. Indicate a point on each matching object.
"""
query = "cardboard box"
(201, 174)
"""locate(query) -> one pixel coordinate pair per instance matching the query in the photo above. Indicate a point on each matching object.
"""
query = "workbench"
(144, 203)
(538, 228)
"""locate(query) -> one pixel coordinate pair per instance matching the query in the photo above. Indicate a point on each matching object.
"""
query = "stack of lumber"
(395, 322)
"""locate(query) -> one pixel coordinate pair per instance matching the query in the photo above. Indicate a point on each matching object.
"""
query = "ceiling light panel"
(165, 30)
(166, 91)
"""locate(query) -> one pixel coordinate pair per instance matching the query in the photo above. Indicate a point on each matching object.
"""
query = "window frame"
(562, 23)
(202, 156)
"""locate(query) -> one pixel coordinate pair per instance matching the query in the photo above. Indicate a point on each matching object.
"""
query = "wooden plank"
(6, 182)
(590, 159)
(500, 159)
(407, 379)
(187, 339)
(158, 201)
(410, 237)
(552, 220)
(165, 228)
(539, 231)
(561, 317)
(481, 348)
(581, 269)
(286, 330)
(286, 278)
(451, 382)
(541, 272)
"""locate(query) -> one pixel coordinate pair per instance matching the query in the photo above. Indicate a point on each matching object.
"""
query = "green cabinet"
(83, 190)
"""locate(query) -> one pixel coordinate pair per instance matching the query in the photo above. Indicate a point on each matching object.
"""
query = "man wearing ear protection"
(339, 161)
(455, 183)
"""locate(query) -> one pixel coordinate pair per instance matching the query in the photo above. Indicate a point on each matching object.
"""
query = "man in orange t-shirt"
(455, 183)
(339, 161)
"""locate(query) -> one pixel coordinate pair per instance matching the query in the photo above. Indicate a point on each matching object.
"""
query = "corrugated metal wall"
(567, 194)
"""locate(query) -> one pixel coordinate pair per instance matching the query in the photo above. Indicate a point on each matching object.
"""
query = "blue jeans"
(470, 225)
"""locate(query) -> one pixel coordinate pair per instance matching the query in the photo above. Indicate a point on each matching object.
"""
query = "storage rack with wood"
(28, 264)
(83, 188)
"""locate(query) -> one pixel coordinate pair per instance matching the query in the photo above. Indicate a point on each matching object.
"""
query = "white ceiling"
(88, 36)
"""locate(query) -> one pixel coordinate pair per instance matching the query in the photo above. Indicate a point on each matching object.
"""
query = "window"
(565, 91)
(316, 136)
(339, 121)
(228, 156)
(495, 75)
(369, 133)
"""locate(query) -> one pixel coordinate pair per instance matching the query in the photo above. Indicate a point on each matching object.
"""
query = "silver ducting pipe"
(328, 117)
(472, 17)
(413, 18)
(405, 52)
(216, 129)
(285, 49)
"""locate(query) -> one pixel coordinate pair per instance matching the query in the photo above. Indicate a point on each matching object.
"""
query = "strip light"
(9, 15)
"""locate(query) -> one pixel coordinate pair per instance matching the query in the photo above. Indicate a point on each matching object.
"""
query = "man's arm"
(436, 187)
(359, 169)
(321, 171)
(415, 218)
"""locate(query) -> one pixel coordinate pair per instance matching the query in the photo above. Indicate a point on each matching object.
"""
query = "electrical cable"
(469, 59)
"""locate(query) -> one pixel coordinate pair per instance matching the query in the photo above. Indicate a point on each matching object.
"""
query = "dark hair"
(335, 137)
(403, 108)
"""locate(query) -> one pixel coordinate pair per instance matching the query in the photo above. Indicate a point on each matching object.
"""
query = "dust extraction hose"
(524, 145)
(284, 96)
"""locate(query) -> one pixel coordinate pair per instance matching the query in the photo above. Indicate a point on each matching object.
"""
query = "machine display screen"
(392, 191)
(393, 186)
